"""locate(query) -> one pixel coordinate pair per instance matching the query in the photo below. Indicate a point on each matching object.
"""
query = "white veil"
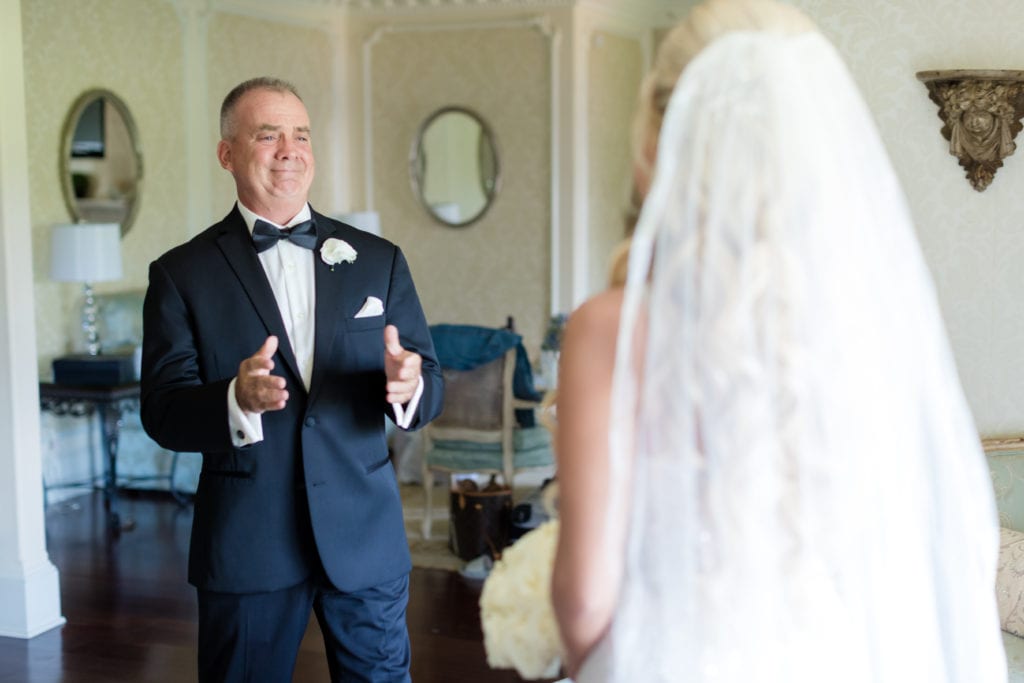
(809, 500)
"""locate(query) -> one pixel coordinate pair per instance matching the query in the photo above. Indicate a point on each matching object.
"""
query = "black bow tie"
(265, 235)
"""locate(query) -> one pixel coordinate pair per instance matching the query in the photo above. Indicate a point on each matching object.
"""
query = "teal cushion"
(1007, 470)
(1014, 647)
(476, 459)
(523, 439)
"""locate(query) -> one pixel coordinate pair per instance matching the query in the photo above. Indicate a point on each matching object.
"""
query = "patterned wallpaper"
(615, 67)
(232, 57)
(498, 266)
(973, 242)
(133, 48)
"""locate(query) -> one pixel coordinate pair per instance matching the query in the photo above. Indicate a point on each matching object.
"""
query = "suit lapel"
(236, 245)
(337, 297)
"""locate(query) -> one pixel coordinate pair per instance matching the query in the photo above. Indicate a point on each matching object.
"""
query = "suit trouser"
(255, 637)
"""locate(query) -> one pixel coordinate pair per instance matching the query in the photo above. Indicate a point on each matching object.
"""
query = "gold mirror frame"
(67, 134)
(487, 155)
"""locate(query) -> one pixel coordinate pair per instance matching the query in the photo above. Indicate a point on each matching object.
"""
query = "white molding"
(340, 132)
(555, 43)
(420, 5)
(543, 24)
(368, 44)
(304, 14)
(580, 235)
(31, 600)
(29, 584)
(318, 12)
(647, 12)
(194, 16)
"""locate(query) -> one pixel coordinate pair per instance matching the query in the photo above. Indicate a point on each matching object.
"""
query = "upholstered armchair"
(478, 430)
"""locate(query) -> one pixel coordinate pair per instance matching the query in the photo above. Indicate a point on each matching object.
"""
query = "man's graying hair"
(227, 108)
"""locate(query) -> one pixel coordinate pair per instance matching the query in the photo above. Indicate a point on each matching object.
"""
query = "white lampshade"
(85, 252)
(367, 221)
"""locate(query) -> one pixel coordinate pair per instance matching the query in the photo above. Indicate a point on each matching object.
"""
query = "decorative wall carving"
(981, 112)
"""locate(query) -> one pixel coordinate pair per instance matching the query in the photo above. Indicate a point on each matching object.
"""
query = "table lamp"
(86, 253)
(367, 221)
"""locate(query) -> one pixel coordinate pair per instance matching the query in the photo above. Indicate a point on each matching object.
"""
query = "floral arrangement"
(335, 251)
(553, 335)
(518, 620)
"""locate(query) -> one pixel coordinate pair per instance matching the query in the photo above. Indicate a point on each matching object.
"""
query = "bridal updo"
(702, 26)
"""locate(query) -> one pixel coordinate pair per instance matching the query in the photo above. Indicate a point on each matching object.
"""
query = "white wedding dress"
(809, 501)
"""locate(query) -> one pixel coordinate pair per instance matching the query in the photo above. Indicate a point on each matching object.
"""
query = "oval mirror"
(453, 165)
(100, 161)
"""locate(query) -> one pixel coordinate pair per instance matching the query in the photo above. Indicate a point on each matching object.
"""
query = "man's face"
(269, 153)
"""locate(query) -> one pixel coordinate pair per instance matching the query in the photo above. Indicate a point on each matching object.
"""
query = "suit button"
(311, 422)
(240, 435)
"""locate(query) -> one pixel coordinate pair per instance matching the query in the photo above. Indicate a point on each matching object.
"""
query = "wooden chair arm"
(524, 403)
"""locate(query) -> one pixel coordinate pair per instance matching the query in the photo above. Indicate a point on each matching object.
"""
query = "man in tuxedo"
(275, 342)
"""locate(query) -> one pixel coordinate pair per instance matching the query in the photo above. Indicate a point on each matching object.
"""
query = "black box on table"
(101, 370)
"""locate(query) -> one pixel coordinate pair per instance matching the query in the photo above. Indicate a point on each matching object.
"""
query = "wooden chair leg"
(428, 498)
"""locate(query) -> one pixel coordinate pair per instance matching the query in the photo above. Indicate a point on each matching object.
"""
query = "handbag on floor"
(480, 520)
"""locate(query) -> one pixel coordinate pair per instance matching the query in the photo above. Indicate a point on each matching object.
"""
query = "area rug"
(432, 553)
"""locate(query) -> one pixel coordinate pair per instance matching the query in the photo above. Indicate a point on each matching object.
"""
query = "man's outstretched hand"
(401, 367)
(256, 390)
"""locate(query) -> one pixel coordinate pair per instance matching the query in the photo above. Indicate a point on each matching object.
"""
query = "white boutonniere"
(335, 251)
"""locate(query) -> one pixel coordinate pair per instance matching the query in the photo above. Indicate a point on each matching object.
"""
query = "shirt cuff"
(246, 428)
(403, 416)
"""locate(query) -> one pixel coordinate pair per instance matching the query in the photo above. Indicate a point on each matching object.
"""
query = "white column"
(195, 21)
(29, 585)
(339, 134)
(580, 251)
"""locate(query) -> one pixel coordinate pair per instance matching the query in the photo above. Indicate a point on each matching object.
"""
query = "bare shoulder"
(598, 315)
(592, 329)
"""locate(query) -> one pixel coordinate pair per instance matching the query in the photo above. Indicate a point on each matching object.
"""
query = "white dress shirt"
(289, 269)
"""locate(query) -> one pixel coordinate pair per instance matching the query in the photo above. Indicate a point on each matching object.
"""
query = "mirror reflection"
(454, 166)
(101, 166)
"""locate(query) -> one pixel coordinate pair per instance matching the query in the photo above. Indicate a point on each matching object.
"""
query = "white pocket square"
(371, 307)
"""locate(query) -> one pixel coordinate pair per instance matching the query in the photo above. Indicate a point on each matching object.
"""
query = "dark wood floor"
(131, 616)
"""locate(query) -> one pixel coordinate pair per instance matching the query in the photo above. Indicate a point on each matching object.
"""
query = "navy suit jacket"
(320, 482)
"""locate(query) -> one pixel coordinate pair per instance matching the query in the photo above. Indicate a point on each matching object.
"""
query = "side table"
(111, 403)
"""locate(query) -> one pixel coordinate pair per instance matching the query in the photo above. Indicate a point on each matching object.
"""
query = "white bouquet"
(515, 607)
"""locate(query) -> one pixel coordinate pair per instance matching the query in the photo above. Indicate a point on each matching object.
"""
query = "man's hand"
(256, 390)
(401, 367)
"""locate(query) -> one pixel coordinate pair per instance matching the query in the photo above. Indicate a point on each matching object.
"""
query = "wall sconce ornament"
(981, 112)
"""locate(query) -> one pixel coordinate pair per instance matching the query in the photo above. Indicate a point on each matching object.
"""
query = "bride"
(791, 489)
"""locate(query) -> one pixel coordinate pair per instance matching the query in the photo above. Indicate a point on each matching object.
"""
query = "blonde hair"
(703, 25)
(619, 262)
